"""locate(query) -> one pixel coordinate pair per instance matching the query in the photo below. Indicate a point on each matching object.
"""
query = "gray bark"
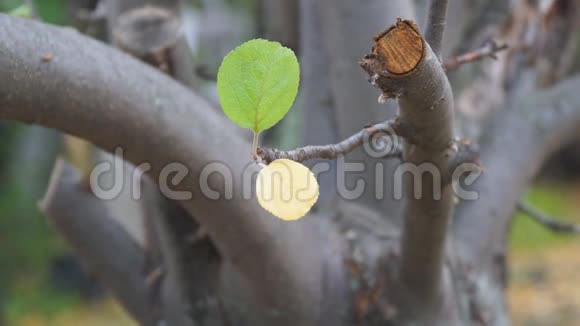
(435, 28)
(518, 141)
(85, 222)
(188, 282)
(426, 118)
(280, 21)
(275, 273)
(112, 109)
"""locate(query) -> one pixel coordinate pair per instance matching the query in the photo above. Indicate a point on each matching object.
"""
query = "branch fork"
(392, 128)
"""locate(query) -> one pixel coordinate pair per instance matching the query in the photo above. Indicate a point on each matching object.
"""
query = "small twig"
(489, 49)
(391, 128)
(547, 221)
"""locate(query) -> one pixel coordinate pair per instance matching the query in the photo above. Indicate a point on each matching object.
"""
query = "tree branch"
(190, 263)
(280, 21)
(413, 74)
(155, 35)
(391, 128)
(116, 101)
(85, 222)
(489, 50)
(189, 282)
(521, 139)
(548, 222)
(435, 27)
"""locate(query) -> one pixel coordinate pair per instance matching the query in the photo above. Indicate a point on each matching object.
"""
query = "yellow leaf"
(286, 189)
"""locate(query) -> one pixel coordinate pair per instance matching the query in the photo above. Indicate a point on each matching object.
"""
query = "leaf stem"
(255, 147)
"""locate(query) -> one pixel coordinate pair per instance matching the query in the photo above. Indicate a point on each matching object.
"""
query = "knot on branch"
(148, 33)
(465, 152)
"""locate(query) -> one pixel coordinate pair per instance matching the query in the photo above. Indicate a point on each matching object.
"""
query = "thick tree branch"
(390, 129)
(414, 74)
(189, 261)
(116, 101)
(280, 21)
(548, 222)
(188, 286)
(435, 27)
(489, 50)
(188, 281)
(520, 139)
(85, 222)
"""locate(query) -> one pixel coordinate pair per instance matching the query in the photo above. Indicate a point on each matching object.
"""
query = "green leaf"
(257, 84)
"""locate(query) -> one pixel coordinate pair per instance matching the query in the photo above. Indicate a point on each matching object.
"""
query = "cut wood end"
(400, 48)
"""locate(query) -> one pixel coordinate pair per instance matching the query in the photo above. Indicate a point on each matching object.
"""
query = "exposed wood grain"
(400, 48)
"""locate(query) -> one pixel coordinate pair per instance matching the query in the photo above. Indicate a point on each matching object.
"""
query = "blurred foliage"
(51, 11)
(99, 314)
(35, 299)
(9, 5)
(555, 199)
(28, 245)
(23, 11)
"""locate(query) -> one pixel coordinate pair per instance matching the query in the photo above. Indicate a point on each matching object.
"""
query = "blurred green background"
(41, 283)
